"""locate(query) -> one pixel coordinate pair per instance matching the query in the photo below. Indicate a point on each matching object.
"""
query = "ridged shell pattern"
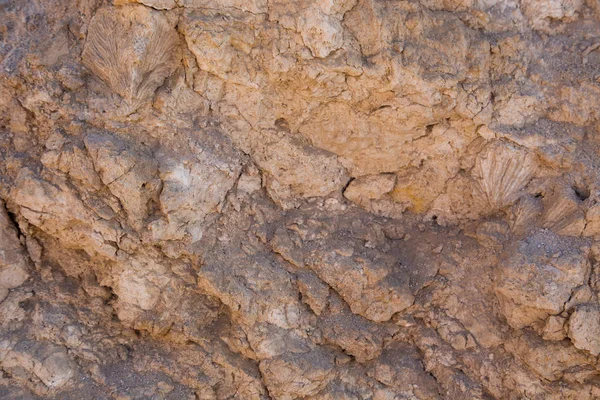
(501, 171)
(132, 49)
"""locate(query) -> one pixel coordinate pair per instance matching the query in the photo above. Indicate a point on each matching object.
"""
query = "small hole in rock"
(282, 123)
(581, 193)
(26, 305)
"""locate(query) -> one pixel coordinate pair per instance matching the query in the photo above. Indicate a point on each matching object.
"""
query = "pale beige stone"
(584, 328)
(371, 187)
(44, 361)
(537, 277)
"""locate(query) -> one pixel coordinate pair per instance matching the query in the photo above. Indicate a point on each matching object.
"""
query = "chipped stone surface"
(14, 265)
(538, 277)
(45, 362)
(584, 328)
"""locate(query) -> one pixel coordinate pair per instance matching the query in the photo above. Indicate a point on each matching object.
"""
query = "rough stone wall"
(299, 199)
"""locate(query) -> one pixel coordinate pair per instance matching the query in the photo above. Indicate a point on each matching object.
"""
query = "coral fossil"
(501, 171)
(132, 50)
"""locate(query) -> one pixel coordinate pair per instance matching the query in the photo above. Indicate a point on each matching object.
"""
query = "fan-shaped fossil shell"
(525, 213)
(132, 49)
(501, 171)
(563, 212)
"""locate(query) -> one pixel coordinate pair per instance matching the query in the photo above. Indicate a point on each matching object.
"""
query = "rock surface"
(307, 199)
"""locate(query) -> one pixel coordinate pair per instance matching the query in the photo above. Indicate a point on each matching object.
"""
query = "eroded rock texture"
(299, 199)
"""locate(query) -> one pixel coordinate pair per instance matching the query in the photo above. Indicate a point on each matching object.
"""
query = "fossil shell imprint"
(501, 171)
(132, 49)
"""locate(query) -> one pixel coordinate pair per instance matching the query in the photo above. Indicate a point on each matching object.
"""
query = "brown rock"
(537, 276)
(584, 328)
(41, 360)
(14, 266)
(299, 199)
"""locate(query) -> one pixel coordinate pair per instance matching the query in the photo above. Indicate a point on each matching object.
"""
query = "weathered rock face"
(300, 199)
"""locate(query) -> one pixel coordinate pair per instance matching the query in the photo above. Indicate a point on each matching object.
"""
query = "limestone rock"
(554, 328)
(294, 169)
(550, 360)
(358, 336)
(41, 360)
(299, 199)
(315, 293)
(140, 283)
(298, 375)
(322, 33)
(370, 187)
(592, 217)
(584, 328)
(73, 161)
(269, 341)
(370, 288)
(254, 276)
(399, 367)
(130, 177)
(537, 277)
(541, 12)
(14, 268)
(58, 210)
(194, 187)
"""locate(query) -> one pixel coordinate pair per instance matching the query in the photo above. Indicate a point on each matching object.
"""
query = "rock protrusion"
(132, 49)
